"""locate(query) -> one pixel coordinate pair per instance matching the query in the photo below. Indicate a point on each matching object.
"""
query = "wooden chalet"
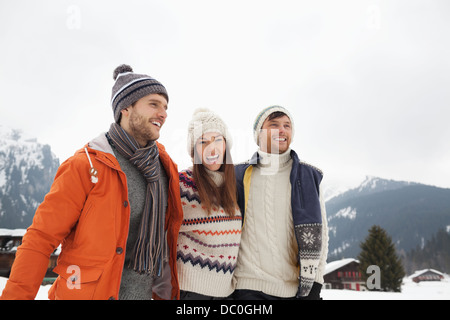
(427, 275)
(343, 274)
(9, 241)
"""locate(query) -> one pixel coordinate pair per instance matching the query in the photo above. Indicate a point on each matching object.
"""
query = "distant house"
(427, 275)
(9, 241)
(343, 274)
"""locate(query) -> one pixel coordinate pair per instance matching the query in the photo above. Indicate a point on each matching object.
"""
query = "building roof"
(420, 272)
(12, 232)
(334, 265)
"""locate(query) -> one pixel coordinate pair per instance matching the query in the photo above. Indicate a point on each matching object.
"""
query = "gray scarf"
(149, 247)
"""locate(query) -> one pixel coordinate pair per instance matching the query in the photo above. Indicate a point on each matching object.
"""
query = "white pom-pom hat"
(204, 121)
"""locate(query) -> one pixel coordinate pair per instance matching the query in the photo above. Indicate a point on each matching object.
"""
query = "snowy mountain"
(27, 169)
(411, 213)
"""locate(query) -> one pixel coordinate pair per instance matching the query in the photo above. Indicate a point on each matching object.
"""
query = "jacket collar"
(101, 143)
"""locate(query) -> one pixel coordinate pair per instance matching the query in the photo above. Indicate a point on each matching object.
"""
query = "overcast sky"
(367, 82)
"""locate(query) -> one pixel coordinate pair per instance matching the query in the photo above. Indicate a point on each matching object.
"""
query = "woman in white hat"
(209, 238)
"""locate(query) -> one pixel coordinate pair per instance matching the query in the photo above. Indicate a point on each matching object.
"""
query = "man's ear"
(125, 112)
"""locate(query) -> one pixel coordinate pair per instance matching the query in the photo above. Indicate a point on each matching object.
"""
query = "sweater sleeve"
(53, 221)
(189, 200)
(324, 254)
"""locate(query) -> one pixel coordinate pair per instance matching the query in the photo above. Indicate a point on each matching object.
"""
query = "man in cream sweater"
(284, 241)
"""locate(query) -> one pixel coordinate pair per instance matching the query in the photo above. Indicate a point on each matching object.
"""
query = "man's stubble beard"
(141, 128)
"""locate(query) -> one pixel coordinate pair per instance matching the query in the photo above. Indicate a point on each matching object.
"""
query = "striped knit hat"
(263, 115)
(130, 87)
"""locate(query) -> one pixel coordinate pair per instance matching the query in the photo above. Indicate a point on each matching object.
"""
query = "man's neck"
(274, 160)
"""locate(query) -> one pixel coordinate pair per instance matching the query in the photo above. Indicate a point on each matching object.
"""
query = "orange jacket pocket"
(76, 282)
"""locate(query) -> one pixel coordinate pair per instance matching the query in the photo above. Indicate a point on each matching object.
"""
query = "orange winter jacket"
(90, 221)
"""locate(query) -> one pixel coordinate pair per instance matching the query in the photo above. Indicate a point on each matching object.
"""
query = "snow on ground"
(424, 290)
(410, 291)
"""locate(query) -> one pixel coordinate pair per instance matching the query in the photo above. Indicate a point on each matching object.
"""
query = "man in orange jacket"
(114, 207)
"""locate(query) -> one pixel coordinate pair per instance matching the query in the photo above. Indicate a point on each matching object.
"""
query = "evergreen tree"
(378, 250)
(435, 254)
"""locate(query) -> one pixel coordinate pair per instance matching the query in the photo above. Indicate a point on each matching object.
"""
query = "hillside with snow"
(411, 213)
(27, 169)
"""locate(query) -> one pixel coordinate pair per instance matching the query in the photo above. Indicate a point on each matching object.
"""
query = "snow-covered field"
(410, 291)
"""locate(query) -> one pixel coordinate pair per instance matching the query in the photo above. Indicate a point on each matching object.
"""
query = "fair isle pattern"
(188, 189)
(209, 219)
(206, 244)
(309, 237)
(217, 233)
(212, 264)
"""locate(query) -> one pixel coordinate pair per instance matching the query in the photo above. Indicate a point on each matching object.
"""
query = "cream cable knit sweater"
(268, 253)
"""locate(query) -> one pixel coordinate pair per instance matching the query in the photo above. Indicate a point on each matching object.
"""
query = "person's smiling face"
(276, 134)
(144, 119)
(211, 147)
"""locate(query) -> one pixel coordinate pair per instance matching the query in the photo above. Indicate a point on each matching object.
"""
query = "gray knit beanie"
(130, 87)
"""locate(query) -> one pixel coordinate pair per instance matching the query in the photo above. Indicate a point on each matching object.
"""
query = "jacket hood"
(101, 143)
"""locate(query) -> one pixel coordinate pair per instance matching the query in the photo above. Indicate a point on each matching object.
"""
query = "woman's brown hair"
(212, 196)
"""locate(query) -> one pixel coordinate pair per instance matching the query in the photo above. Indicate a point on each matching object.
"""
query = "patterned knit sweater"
(208, 245)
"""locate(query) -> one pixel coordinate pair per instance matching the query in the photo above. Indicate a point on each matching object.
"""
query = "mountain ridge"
(27, 170)
(410, 212)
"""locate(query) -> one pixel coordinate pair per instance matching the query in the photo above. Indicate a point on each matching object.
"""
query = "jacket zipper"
(299, 185)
